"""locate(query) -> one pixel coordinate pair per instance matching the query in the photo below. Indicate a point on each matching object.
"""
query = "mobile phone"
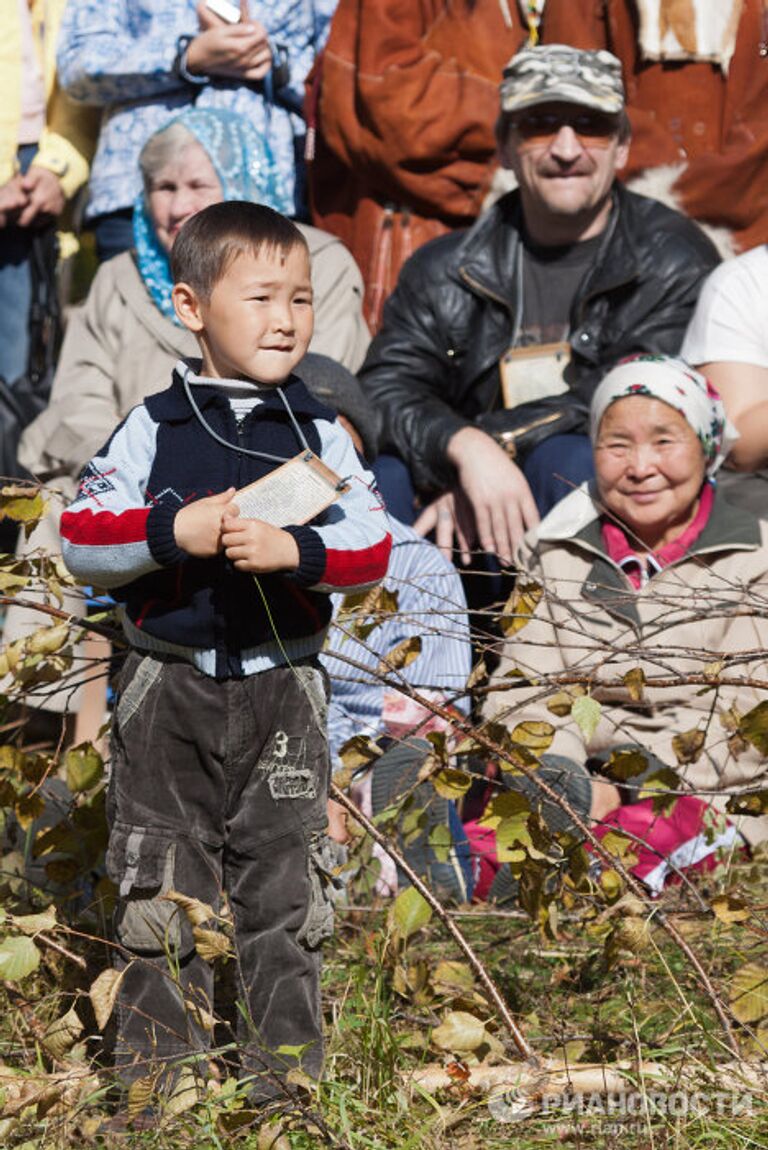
(225, 10)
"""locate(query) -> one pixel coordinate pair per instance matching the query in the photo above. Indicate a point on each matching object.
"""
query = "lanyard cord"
(234, 446)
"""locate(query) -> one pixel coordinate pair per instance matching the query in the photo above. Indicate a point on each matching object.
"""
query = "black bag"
(23, 400)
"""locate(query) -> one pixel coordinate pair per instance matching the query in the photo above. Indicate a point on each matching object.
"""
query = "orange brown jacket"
(404, 104)
(689, 113)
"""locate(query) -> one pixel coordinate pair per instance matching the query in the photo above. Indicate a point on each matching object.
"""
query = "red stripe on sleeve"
(348, 568)
(104, 528)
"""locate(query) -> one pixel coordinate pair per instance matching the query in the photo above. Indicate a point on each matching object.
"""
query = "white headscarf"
(673, 381)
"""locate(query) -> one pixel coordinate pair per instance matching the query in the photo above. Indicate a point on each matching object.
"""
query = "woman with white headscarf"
(644, 575)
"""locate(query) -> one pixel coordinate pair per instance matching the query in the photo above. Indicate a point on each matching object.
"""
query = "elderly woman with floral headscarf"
(122, 344)
(649, 596)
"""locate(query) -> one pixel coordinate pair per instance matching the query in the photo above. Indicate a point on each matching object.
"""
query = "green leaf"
(533, 736)
(18, 957)
(731, 908)
(441, 841)
(512, 837)
(358, 752)
(140, 1094)
(22, 504)
(11, 759)
(657, 784)
(360, 614)
(634, 681)
(688, 746)
(616, 844)
(754, 727)
(478, 675)
(586, 714)
(10, 584)
(520, 607)
(46, 640)
(749, 992)
(103, 994)
(450, 783)
(62, 1034)
(294, 1051)
(451, 977)
(410, 912)
(28, 809)
(504, 806)
(459, 1032)
(84, 768)
(610, 884)
(624, 765)
(561, 702)
(400, 656)
(748, 803)
(34, 923)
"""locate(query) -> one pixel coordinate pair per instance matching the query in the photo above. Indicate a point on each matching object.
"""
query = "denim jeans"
(557, 466)
(113, 233)
(219, 787)
(15, 290)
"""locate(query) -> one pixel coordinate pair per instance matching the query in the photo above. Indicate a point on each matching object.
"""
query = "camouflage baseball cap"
(557, 73)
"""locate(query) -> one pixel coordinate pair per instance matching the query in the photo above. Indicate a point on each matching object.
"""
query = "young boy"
(220, 762)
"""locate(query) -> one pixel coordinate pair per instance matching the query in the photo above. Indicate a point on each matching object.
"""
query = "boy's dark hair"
(209, 242)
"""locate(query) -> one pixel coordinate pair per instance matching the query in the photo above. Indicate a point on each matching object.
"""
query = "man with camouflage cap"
(496, 337)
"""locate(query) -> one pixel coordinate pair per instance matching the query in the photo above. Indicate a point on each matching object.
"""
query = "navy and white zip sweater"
(118, 533)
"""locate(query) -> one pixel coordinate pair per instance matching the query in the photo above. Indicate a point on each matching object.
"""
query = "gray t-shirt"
(550, 281)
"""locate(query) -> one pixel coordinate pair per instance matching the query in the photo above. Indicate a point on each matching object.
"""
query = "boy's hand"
(255, 546)
(338, 829)
(197, 527)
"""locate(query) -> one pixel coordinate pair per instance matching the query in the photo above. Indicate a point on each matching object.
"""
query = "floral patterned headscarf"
(246, 169)
(673, 381)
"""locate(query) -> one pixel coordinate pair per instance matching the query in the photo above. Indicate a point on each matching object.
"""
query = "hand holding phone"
(227, 11)
(239, 51)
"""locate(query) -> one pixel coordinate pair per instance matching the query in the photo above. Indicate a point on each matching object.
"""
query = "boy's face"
(258, 322)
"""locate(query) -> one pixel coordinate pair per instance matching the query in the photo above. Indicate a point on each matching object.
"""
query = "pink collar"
(638, 571)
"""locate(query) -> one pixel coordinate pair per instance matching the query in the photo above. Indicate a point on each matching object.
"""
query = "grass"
(383, 999)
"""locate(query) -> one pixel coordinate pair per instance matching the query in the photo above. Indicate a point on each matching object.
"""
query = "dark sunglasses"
(537, 126)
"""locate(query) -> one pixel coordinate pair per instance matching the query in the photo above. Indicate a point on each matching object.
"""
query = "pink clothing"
(638, 569)
(689, 837)
(32, 87)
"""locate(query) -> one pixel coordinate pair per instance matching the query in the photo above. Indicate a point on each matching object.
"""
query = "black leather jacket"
(433, 367)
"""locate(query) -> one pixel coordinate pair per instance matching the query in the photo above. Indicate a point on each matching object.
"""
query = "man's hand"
(13, 199)
(197, 527)
(44, 195)
(237, 51)
(255, 546)
(491, 504)
(449, 516)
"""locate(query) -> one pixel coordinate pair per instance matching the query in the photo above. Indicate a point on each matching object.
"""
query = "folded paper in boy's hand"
(292, 494)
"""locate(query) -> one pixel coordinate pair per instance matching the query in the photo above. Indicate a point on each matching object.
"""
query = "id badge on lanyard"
(293, 493)
(534, 372)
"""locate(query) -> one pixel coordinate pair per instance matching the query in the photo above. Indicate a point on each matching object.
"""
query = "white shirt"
(730, 323)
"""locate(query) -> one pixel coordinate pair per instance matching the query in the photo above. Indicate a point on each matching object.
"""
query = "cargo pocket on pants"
(142, 865)
(325, 858)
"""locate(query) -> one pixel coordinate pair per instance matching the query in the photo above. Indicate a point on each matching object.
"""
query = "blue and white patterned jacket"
(119, 54)
(119, 531)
